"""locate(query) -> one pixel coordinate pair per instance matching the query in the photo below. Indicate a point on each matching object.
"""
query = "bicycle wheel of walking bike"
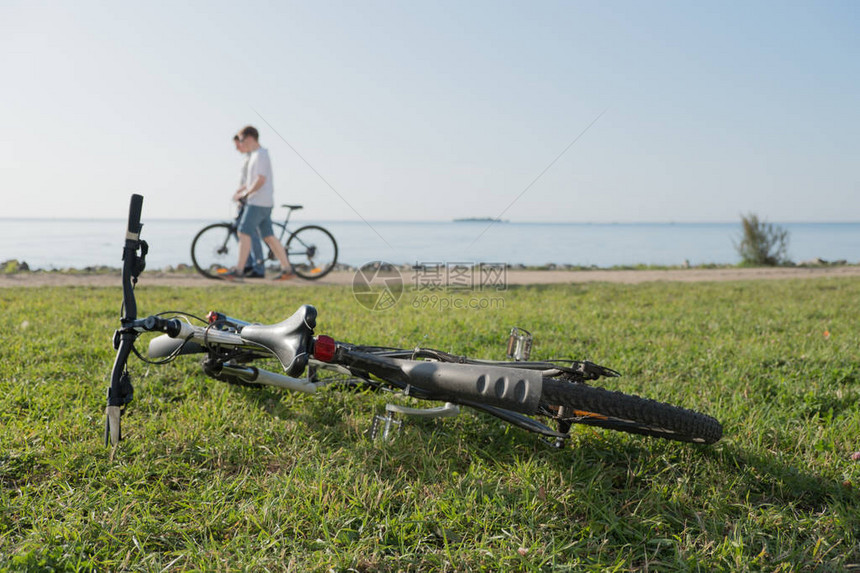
(214, 248)
(312, 251)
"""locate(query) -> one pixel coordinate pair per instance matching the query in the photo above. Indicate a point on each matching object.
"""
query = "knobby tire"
(594, 406)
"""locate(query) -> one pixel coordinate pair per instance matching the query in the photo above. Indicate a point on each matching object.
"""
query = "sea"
(56, 244)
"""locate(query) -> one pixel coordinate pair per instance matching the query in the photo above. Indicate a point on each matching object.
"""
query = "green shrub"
(762, 244)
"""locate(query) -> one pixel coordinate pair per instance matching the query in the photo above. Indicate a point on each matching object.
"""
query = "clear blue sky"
(434, 110)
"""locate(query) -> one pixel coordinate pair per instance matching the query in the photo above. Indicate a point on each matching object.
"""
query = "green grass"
(216, 477)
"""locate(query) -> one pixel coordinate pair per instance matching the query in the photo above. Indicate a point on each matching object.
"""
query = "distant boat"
(480, 220)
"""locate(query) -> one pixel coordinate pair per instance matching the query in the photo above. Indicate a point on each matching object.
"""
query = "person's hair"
(250, 131)
(236, 137)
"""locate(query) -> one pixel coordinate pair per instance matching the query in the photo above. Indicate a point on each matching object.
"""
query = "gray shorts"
(256, 218)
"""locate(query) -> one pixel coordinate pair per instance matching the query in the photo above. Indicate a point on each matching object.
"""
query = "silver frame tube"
(257, 376)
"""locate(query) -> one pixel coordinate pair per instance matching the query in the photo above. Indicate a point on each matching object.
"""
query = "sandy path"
(512, 277)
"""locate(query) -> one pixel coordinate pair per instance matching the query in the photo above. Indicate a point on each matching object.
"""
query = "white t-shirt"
(259, 164)
(243, 178)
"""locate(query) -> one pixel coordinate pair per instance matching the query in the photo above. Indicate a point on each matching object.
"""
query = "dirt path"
(512, 277)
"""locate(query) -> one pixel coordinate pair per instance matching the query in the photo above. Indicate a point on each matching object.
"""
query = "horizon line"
(451, 221)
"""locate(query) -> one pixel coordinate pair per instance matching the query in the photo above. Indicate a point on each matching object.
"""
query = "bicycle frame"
(506, 390)
(285, 230)
(506, 387)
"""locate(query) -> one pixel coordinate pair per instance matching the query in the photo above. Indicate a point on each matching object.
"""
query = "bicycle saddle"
(293, 207)
(288, 340)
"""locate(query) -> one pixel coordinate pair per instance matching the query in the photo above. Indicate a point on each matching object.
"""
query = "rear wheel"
(580, 403)
(312, 251)
(214, 248)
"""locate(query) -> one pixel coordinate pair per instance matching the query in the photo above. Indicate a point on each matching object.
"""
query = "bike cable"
(173, 355)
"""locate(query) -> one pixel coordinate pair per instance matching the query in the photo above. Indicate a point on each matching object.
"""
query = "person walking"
(258, 193)
(256, 267)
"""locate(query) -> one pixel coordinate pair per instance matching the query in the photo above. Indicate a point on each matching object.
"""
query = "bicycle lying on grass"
(311, 249)
(513, 391)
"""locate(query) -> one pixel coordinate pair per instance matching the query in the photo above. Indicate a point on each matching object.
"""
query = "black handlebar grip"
(134, 215)
(157, 324)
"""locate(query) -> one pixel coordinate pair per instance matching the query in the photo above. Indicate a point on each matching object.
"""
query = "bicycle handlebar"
(121, 392)
(134, 211)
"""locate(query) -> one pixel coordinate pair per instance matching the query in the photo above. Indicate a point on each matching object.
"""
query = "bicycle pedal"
(519, 344)
(384, 427)
(554, 443)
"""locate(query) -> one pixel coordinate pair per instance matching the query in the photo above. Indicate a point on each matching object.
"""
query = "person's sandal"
(230, 275)
(284, 276)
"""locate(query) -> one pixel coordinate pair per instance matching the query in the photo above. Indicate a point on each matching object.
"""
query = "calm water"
(58, 244)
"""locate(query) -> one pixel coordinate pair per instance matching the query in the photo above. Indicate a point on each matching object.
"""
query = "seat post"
(290, 209)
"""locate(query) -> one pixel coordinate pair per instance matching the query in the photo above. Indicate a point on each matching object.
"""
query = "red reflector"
(324, 348)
